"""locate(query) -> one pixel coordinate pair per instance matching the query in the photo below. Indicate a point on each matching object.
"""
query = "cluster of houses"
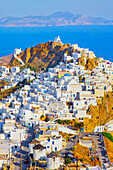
(13, 76)
(63, 92)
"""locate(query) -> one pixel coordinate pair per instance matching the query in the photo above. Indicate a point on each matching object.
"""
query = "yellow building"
(99, 92)
(63, 142)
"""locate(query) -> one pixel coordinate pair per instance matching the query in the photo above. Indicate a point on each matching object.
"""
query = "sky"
(94, 8)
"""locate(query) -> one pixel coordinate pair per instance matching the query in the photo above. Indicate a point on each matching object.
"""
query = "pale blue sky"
(95, 8)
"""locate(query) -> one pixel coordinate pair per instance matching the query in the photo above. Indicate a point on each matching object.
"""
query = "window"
(55, 148)
(47, 146)
(53, 143)
(73, 95)
(48, 140)
(15, 147)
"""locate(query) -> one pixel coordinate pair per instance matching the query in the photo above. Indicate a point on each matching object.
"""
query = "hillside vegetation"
(108, 135)
(7, 92)
(109, 147)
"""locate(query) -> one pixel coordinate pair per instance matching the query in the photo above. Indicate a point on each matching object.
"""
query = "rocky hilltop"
(49, 54)
(56, 19)
(43, 55)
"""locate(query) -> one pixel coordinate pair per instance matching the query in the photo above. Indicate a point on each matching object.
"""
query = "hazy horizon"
(54, 13)
(22, 8)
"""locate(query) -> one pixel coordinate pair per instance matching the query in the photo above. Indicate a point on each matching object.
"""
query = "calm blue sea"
(97, 38)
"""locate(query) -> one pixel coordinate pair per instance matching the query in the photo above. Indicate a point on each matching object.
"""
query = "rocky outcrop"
(88, 63)
(44, 55)
(100, 114)
(49, 54)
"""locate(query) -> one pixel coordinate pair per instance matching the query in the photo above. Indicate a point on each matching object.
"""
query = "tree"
(79, 125)
(42, 116)
(67, 161)
(80, 77)
(107, 77)
(83, 78)
(47, 119)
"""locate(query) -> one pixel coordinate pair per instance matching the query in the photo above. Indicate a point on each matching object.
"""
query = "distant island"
(55, 19)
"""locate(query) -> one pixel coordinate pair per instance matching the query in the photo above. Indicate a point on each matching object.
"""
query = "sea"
(98, 39)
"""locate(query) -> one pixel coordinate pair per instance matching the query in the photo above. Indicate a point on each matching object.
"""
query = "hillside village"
(54, 109)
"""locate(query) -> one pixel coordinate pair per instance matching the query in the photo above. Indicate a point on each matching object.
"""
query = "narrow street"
(70, 146)
(99, 148)
(97, 144)
(16, 163)
(20, 157)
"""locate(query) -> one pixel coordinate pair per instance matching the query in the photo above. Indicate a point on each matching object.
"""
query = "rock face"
(43, 55)
(49, 54)
(101, 114)
(88, 63)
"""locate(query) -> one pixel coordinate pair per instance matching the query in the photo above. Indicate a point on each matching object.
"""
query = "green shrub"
(67, 160)
(42, 116)
(108, 135)
(82, 159)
